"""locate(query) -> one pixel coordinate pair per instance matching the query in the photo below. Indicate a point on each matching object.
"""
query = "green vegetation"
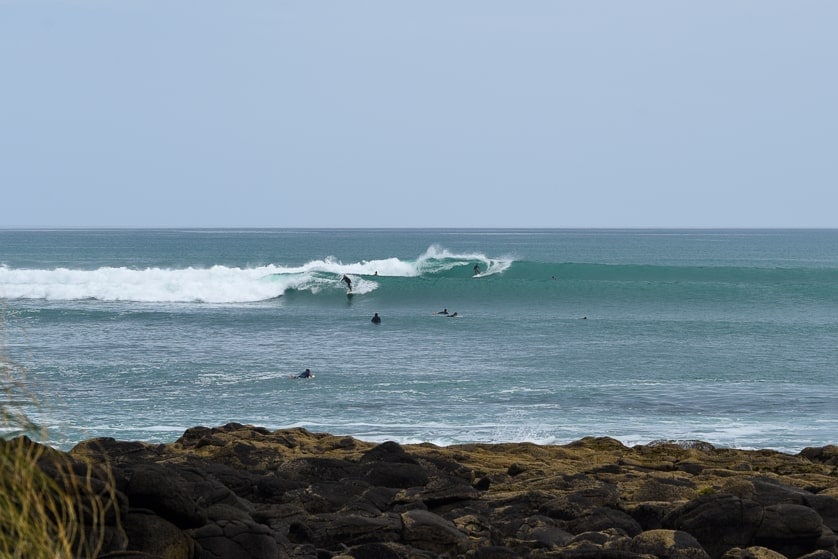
(51, 504)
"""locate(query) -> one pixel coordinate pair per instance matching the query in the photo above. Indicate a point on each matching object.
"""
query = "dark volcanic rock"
(160, 489)
(793, 530)
(719, 521)
(672, 544)
(429, 531)
(235, 538)
(238, 491)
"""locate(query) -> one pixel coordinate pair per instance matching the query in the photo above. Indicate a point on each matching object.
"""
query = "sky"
(380, 113)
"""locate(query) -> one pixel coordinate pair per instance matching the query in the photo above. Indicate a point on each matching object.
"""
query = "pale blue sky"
(419, 114)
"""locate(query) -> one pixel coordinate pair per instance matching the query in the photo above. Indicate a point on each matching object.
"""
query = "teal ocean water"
(725, 336)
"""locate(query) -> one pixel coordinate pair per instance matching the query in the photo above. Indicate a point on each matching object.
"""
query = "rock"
(598, 538)
(383, 551)
(128, 555)
(157, 488)
(245, 491)
(542, 533)
(515, 469)
(770, 492)
(495, 552)
(789, 522)
(394, 474)
(826, 507)
(819, 554)
(790, 529)
(650, 515)
(576, 503)
(665, 490)
(742, 488)
(332, 530)
(602, 518)
(427, 530)
(824, 455)
(718, 522)
(753, 552)
(153, 535)
(119, 452)
(390, 452)
(446, 492)
(242, 540)
(668, 544)
(316, 468)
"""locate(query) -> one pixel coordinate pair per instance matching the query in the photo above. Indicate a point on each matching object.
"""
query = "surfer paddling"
(305, 374)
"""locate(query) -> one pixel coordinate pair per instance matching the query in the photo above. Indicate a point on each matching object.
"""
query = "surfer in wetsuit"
(476, 269)
(443, 311)
(345, 279)
(376, 319)
(305, 374)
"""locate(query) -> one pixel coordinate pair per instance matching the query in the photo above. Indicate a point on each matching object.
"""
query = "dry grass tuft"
(51, 505)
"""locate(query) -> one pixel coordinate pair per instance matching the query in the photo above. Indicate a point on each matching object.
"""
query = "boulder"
(333, 530)
(667, 544)
(602, 518)
(243, 540)
(160, 489)
(156, 536)
(792, 530)
(427, 530)
(753, 552)
(717, 521)
(826, 506)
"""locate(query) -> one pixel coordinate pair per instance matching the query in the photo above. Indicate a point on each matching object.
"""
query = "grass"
(51, 504)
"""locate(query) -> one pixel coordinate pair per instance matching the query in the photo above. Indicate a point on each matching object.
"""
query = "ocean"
(723, 336)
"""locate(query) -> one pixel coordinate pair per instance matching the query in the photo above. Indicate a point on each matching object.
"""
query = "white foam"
(436, 258)
(219, 284)
(223, 284)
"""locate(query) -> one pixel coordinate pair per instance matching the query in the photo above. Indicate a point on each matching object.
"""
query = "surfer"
(345, 279)
(452, 315)
(443, 311)
(305, 374)
(476, 269)
(376, 319)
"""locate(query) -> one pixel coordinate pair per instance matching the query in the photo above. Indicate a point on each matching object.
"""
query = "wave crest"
(226, 284)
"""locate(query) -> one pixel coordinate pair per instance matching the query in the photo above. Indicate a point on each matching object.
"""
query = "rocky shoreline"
(245, 492)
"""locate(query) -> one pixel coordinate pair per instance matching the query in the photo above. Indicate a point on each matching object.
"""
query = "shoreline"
(66, 444)
(295, 493)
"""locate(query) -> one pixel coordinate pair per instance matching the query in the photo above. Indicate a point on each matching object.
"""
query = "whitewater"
(726, 336)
